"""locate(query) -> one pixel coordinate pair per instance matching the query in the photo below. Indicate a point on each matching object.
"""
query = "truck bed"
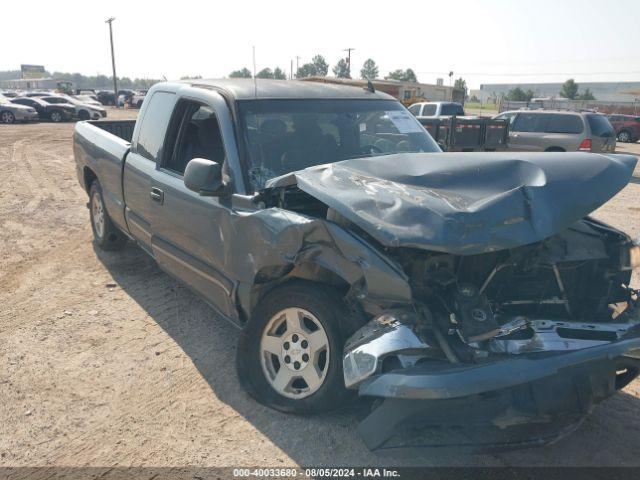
(100, 148)
(462, 134)
(120, 128)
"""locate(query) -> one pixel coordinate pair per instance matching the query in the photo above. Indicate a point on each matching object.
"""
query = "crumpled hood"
(465, 203)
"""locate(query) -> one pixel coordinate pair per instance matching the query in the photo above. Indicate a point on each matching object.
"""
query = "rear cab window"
(451, 109)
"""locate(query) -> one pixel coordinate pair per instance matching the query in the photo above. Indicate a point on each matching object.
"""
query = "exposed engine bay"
(529, 298)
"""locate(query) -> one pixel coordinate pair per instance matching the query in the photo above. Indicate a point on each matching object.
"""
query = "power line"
(532, 74)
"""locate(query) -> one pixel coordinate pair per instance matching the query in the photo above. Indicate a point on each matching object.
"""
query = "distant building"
(406, 92)
(45, 83)
(604, 91)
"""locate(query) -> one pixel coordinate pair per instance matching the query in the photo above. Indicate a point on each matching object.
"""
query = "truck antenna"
(255, 79)
(370, 86)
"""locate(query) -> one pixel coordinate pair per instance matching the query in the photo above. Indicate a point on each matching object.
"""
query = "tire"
(83, 115)
(7, 117)
(105, 234)
(304, 304)
(555, 149)
(624, 136)
(56, 117)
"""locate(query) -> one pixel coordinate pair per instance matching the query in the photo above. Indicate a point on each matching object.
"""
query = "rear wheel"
(105, 234)
(56, 117)
(7, 117)
(290, 353)
(624, 136)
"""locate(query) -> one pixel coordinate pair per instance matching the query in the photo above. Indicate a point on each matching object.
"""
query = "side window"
(509, 117)
(154, 125)
(415, 109)
(530, 122)
(564, 124)
(196, 131)
(429, 110)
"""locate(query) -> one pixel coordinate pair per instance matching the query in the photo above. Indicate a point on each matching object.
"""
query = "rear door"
(140, 165)
(565, 131)
(190, 233)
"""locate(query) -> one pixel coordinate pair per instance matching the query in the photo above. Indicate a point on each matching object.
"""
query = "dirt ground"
(105, 360)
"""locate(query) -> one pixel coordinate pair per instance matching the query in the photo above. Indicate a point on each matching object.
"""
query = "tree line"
(88, 81)
(568, 90)
(318, 67)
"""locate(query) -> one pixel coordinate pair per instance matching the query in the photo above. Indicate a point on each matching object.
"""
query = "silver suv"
(559, 131)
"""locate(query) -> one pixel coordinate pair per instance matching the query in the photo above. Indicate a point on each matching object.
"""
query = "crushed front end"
(501, 349)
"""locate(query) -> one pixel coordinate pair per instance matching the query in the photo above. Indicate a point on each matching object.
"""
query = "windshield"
(283, 136)
(72, 100)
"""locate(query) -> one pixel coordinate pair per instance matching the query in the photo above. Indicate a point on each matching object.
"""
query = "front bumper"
(510, 402)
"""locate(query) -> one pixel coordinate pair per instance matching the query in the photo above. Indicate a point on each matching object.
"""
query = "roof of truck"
(245, 89)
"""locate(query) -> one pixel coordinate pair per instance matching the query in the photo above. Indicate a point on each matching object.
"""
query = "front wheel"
(290, 353)
(105, 234)
(7, 117)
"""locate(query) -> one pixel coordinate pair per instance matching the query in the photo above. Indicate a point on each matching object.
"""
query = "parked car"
(138, 99)
(9, 94)
(88, 99)
(84, 111)
(627, 127)
(559, 131)
(47, 111)
(462, 289)
(11, 113)
(60, 100)
(106, 97)
(437, 109)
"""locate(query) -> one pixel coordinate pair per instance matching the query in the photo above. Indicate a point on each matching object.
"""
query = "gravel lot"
(105, 360)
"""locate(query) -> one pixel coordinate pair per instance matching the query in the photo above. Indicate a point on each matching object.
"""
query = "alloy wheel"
(294, 352)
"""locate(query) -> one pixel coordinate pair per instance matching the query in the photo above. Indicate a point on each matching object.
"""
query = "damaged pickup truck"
(463, 292)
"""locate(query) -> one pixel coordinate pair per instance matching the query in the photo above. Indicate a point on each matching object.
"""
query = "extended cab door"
(140, 165)
(191, 233)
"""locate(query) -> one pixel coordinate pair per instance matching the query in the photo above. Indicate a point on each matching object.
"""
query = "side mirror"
(204, 177)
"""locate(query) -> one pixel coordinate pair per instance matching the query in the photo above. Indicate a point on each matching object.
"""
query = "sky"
(483, 41)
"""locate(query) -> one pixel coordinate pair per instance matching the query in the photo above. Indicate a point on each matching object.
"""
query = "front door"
(188, 230)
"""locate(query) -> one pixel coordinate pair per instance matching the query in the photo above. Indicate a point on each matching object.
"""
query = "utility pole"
(113, 63)
(297, 65)
(348, 50)
(291, 70)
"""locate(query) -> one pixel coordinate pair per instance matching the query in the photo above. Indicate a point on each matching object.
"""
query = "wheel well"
(555, 149)
(89, 177)
(267, 279)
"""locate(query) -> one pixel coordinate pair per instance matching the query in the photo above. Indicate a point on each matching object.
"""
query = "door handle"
(157, 195)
